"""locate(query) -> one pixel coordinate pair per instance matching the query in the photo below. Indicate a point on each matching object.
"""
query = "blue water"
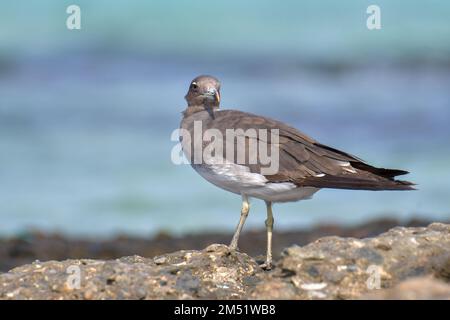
(86, 116)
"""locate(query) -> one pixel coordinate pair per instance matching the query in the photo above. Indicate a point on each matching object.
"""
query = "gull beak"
(217, 96)
(212, 93)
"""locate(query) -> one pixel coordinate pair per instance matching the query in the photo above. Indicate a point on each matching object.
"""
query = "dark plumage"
(302, 158)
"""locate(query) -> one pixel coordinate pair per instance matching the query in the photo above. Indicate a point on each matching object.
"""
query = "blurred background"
(86, 115)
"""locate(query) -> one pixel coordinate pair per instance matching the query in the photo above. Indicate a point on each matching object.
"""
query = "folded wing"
(307, 163)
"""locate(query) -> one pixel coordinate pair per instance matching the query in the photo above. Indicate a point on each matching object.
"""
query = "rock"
(420, 288)
(346, 268)
(329, 268)
(213, 273)
(26, 247)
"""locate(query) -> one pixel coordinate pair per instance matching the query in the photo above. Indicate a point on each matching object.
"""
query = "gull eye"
(194, 86)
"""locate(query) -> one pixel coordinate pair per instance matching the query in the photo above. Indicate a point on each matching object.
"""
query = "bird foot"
(266, 266)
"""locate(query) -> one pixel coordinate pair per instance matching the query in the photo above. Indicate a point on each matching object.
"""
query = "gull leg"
(244, 213)
(269, 227)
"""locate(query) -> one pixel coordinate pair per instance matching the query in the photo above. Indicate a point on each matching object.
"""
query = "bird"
(305, 166)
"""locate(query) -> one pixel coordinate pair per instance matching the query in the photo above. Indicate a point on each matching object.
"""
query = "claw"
(267, 266)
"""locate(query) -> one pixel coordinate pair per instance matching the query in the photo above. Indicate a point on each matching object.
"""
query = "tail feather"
(382, 172)
(339, 182)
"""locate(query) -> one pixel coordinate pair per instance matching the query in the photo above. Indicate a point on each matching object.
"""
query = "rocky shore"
(405, 263)
(34, 245)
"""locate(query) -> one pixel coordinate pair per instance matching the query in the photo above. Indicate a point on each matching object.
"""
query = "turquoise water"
(86, 116)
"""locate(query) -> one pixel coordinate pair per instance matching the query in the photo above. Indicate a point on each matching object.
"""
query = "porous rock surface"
(403, 263)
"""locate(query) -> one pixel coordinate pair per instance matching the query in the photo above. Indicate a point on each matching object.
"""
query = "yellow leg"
(244, 213)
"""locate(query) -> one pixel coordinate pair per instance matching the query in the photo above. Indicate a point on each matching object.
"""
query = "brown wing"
(305, 162)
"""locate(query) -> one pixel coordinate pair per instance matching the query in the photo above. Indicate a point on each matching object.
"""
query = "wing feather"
(306, 162)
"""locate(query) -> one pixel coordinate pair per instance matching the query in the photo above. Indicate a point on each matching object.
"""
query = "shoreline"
(26, 248)
(401, 263)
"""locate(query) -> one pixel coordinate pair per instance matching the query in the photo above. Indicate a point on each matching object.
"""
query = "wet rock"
(328, 268)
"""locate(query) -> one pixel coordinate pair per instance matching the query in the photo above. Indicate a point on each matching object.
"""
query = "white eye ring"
(194, 85)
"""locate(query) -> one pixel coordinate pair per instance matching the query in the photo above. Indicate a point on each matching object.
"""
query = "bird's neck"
(190, 110)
